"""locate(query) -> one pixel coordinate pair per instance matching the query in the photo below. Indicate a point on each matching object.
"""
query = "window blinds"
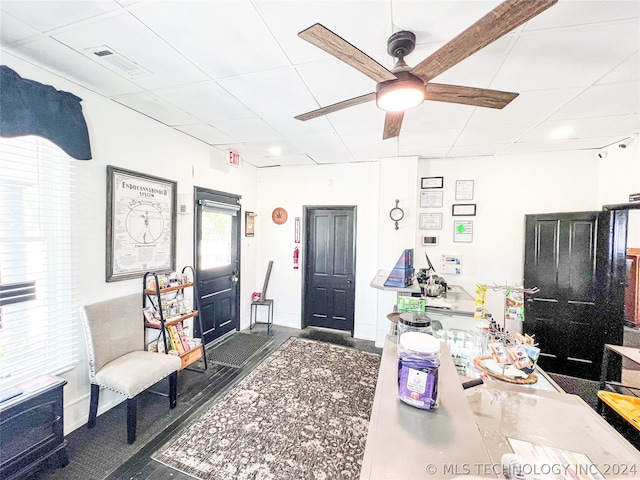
(39, 329)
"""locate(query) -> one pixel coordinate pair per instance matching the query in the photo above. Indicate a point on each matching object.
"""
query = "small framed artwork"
(464, 190)
(431, 182)
(430, 221)
(463, 231)
(463, 209)
(431, 198)
(249, 224)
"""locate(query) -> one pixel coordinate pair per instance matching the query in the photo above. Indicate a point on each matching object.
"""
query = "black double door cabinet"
(32, 430)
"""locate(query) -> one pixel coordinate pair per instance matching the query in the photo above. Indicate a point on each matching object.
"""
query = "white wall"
(505, 189)
(293, 188)
(125, 139)
(618, 177)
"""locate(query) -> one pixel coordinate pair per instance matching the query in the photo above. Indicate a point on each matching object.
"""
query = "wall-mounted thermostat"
(429, 240)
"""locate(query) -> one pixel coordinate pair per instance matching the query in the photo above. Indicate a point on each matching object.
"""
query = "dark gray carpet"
(585, 389)
(236, 351)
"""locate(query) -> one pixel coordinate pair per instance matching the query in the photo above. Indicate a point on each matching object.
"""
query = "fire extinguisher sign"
(296, 258)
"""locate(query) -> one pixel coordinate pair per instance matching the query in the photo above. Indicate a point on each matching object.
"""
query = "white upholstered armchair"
(114, 331)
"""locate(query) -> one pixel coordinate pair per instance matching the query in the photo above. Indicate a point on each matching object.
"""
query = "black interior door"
(560, 259)
(217, 262)
(329, 266)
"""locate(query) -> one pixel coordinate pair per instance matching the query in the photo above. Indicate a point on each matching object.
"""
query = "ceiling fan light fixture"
(399, 95)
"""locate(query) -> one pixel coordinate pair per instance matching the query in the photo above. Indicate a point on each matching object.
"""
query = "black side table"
(32, 428)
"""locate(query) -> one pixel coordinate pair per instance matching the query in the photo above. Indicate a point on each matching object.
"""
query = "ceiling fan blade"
(500, 21)
(392, 124)
(331, 43)
(479, 97)
(337, 106)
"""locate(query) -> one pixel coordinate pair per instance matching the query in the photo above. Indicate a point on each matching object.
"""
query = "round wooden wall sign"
(279, 216)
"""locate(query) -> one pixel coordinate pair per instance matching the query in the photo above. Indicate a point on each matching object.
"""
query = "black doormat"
(237, 350)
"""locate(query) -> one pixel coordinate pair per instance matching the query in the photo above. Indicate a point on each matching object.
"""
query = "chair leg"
(270, 318)
(93, 405)
(173, 389)
(132, 406)
(251, 324)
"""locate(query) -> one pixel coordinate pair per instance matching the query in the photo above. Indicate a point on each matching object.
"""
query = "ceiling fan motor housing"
(401, 44)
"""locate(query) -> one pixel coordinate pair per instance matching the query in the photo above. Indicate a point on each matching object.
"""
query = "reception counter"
(472, 429)
(403, 441)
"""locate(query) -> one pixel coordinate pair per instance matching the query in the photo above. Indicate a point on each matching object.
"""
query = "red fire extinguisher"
(296, 258)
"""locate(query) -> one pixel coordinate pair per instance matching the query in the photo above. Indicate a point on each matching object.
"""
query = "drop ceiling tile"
(77, 68)
(271, 92)
(206, 133)
(224, 38)
(364, 24)
(289, 160)
(603, 100)
(333, 81)
(207, 101)
(560, 145)
(370, 147)
(583, 128)
(286, 161)
(264, 149)
(13, 30)
(438, 21)
(565, 14)
(248, 130)
(428, 152)
(491, 134)
(150, 105)
(423, 142)
(528, 107)
(436, 116)
(289, 127)
(46, 15)
(567, 57)
(626, 71)
(323, 148)
(475, 150)
(361, 119)
(131, 39)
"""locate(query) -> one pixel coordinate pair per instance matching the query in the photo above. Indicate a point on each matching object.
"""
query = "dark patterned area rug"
(303, 413)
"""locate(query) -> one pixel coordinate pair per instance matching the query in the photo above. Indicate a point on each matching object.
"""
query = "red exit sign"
(233, 158)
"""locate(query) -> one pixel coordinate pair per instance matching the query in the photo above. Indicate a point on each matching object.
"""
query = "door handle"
(235, 277)
(348, 282)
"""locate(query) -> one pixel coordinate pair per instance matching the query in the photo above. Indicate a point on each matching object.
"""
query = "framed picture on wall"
(141, 224)
(431, 198)
(431, 182)
(464, 190)
(430, 221)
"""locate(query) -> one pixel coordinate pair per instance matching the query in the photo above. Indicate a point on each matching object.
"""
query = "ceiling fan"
(404, 87)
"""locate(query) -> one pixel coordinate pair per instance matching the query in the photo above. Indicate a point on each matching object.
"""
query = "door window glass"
(216, 241)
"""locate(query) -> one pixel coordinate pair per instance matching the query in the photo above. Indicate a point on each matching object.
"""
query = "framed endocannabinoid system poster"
(141, 224)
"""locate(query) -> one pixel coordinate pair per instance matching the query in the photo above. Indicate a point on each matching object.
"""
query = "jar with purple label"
(418, 363)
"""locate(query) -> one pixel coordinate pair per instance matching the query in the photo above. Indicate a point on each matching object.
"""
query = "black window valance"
(31, 108)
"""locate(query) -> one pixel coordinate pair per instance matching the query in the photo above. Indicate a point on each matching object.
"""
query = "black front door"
(217, 262)
(329, 266)
(560, 259)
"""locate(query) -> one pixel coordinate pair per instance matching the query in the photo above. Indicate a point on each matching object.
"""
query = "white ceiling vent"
(111, 58)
